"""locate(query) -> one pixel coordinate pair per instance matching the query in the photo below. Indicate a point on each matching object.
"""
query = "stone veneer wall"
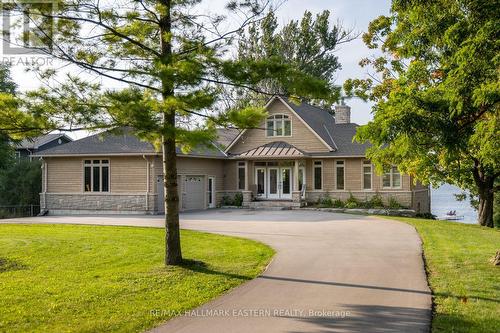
(403, 197)
(90, 202)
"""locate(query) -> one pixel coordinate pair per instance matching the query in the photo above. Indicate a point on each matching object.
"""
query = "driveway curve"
(331, 273)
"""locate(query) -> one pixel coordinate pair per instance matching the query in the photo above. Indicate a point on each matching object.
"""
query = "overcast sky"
(353, 13)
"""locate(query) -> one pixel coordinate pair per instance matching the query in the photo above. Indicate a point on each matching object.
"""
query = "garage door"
(194, 189)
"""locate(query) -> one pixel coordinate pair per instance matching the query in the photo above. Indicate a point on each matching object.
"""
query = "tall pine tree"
(173, 57)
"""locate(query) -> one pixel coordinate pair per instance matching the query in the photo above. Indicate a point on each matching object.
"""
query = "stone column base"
(247, 198)
(296, 196)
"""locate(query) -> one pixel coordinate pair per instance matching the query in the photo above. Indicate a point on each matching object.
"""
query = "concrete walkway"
(331, 273)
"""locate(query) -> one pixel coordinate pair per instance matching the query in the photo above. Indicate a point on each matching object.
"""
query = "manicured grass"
(466, 286)
(66, 278)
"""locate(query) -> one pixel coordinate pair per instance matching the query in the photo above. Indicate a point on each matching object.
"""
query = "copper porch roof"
(273, 149)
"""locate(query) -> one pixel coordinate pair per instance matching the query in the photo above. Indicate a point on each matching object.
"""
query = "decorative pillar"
(296, 195)
(247, 198)
(296, 176)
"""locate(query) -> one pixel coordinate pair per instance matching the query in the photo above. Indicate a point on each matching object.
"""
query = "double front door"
(274, 182)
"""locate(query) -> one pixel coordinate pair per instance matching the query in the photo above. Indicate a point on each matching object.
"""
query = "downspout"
(147, 182)
(44, 184)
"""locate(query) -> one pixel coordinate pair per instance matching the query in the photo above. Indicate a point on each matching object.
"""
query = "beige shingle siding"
(128, 174)
(302, 137)
(64, 175)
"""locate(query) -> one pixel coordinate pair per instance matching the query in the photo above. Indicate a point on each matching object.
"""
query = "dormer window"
(279, 125)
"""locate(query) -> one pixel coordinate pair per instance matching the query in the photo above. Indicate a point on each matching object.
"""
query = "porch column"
(296, 195)
(296, 176)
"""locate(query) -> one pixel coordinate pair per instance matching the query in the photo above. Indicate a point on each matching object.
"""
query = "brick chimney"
(342, 114)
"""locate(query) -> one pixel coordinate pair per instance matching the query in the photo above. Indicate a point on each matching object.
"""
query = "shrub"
(238, 199)
(428, 216)
(227, 201)
(337, 203)
(351, 205)
(376, 201)
(325, 202)
(351, 202)
(365, 204)
(394, 204)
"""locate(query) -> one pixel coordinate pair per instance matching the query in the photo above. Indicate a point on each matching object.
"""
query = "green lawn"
(56, 278)
(466, 286)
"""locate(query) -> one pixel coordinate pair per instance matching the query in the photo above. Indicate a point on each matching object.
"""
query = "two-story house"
(298, 154)
(28, 147)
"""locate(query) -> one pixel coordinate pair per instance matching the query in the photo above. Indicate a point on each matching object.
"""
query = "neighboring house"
(299, 154)
(29, 147)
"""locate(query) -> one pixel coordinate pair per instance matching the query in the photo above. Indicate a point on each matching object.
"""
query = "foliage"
(235, 200)
(238, 199)
(21, 183)
(337, 203)
(452, 252)
(376, 201)
(394, 203)
(7, 85)
(427, 216)
(6, 152)
(325, 201)
(172, 62)
(7, 92)
(112, 279)
(308, 44)
(351, 202)
(436, 91)
(226, 201)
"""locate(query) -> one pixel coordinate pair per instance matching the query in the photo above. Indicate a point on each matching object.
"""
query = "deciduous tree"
(437, 90)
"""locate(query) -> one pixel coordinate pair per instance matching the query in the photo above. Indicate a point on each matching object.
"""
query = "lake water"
(443, 200)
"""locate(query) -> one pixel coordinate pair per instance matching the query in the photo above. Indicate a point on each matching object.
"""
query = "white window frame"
(241, 165)
(18, 155)
(100, 165)
(211, 193)
(320, 165)
(391, 178)
(366, 163)
(337, 166)
(275, 121)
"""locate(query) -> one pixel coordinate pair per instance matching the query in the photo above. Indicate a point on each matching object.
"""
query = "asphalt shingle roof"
(338, 136)
(35, 143)
(124, 143)
(226, 136)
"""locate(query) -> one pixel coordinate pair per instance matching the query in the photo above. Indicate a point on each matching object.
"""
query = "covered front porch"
(273, 172)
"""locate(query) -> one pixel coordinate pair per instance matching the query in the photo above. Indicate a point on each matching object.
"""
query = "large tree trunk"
(485, 184)
(486, 203)
(173, 254)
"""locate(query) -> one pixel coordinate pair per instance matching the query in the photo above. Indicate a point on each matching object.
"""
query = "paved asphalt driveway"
(331, 273)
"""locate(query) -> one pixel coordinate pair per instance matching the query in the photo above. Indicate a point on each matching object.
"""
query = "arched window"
(279, 125)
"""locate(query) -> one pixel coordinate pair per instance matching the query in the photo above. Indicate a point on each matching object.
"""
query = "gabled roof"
(35, 143)
(226, 136)
(119, 144)
(277, 149)
(338, 137)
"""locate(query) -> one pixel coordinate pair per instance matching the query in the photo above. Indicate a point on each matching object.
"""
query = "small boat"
(451, 216)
